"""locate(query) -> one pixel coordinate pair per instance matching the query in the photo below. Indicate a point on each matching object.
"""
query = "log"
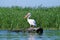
(37, 30)
(40, 30)
(31, 29)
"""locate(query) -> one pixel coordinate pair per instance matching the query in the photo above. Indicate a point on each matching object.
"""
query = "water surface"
(47, 35)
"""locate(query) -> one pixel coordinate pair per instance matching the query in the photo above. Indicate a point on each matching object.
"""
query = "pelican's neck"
(28, 17)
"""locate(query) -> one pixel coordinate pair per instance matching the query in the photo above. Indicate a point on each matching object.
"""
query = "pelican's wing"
(34, 22)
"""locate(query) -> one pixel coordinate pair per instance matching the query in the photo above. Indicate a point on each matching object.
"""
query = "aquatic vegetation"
(13, 18)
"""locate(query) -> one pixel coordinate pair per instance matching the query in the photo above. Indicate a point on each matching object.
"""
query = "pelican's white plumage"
(30, 21)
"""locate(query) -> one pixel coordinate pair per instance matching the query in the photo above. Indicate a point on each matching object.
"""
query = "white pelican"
(30, 21)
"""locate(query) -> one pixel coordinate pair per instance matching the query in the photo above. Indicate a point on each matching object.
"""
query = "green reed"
(13, 18)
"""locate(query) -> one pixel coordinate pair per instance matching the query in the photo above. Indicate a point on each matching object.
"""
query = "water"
(47, 35)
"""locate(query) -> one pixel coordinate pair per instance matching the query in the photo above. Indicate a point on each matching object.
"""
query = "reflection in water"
(31, 37)
(34, 36)
(47, 35)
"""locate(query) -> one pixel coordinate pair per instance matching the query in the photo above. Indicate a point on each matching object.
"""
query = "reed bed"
(13, 18)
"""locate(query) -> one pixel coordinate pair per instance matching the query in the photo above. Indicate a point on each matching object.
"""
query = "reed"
(13, 18)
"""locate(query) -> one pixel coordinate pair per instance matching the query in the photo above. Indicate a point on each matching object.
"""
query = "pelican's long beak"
(27, 15)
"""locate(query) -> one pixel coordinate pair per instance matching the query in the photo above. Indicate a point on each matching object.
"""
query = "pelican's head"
(28, 15)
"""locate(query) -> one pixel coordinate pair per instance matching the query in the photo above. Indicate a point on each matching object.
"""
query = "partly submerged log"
(37, 30)
(31, 29)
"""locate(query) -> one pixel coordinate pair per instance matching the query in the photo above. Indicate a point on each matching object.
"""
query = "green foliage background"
(13, 18)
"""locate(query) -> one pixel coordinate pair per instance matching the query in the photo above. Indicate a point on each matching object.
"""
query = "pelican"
(30, 21)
